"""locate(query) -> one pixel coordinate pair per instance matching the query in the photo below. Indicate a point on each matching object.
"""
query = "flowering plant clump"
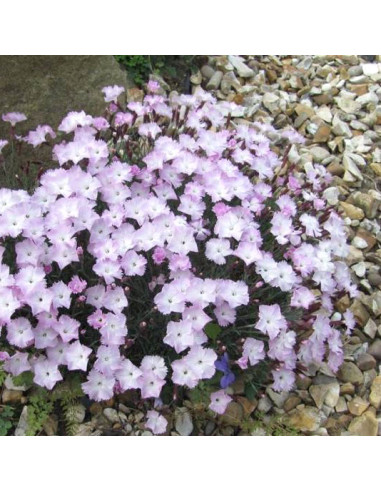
(170, 246)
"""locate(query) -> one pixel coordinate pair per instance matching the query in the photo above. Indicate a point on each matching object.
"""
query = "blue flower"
(222, 365)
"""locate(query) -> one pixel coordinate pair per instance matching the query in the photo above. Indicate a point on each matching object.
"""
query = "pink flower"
(99, 386)
(3, 143)
(284, 379)
(46, 373)
(77, 356)
(219, 401)
(253, 350)
(111, 93)
(14, 118)
(128, 375)
(38, 136)
(76, 285)
(150, 385)
(271, 321)
(156, 422)
(153, 86)
(159, 255)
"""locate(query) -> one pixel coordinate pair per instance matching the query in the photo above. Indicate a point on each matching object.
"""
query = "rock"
(354, 213)
(306, 419)
(354, 71)
(366, 425)
(370, 68)
(370, 328)
(324, 113)
(134, 94)
(264, 404)
(325, 394)
(319, 153)
(242, 69)
(196, 78)
(374, 279)
(183, 421)
(111, 415)
(86, 429)
(357, 406)
(322, 134)
(331, 194)
(359, 269)
(350, 373)
(376, 168)
(341, 129)
(248, 405)
(375, 393)
(50, 426)
(214, 81)
(351, 166)
(207, 71)
(270, 101)
(341, 405)
(360, 312)
(303, 382)
(369, 98)
(229, 80)
(375, 349)
(291, 402)
(367, 237)
(46, 88)
(367, 203)
(347, 105)
(304, 109)
(11, 396)
(347, 389)
(359, 243)
(22, 425)
(375, 303)
(365, 362)
(278, 398)
(222, 63)
(335, 169)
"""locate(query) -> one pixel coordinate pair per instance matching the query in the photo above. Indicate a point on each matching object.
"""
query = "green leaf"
(250, 391)
(212, 330)
(23, 379)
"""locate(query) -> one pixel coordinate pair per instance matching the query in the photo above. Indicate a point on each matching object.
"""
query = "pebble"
(22, 425)
(207, 71)
(370, 68)
(183, 421)
(351, 211)
(215, 81)
(375, 349)
(357, 406)
(112, 415)
(11, 396)
(264, 404)
(370, 328)
(365, 362)
(325, 394)
(306, 419)
(375, 393)
(350, 373)
(242, 69)
(365, 425)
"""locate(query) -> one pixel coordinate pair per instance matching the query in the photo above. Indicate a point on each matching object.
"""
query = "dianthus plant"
(170, 245)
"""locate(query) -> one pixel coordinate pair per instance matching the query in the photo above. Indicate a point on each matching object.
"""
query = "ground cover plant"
(169, 247)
